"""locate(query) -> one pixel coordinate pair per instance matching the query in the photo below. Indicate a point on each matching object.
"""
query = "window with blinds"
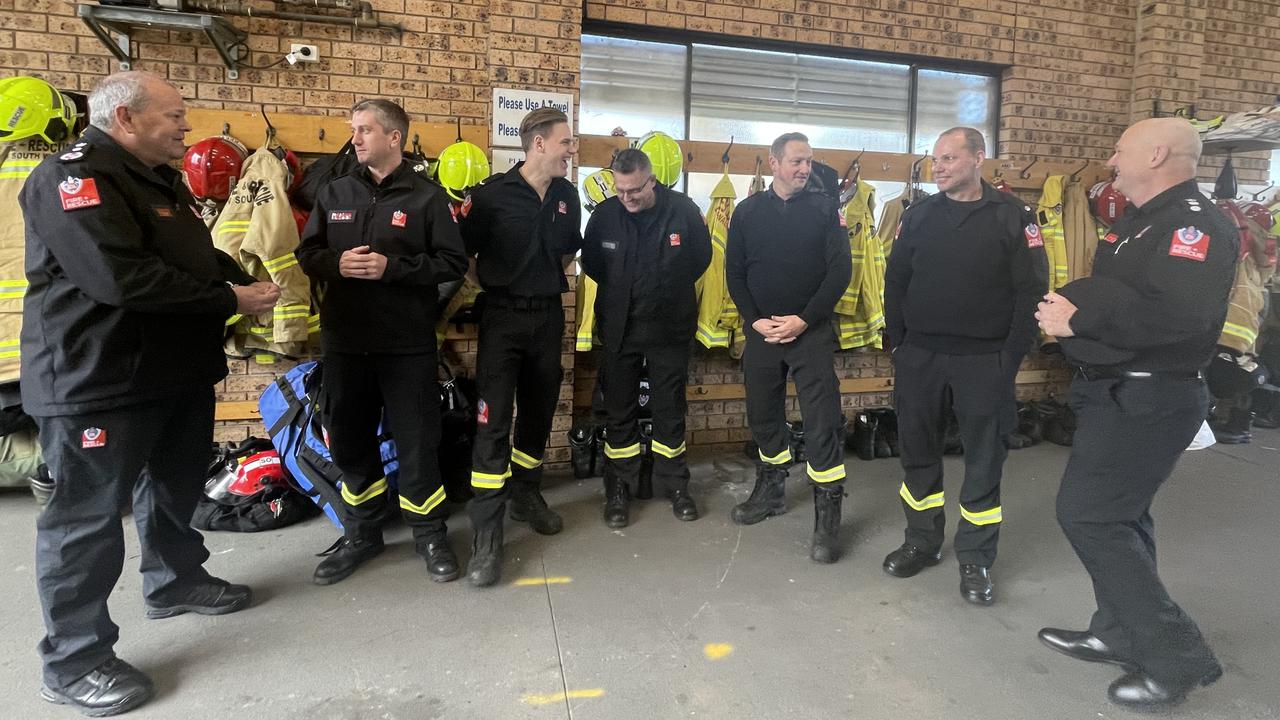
(637, 86)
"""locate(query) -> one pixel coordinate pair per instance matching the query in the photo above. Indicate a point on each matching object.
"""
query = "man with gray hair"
(646, 247)
(959, 296)
(122, 344)
(1139, 331)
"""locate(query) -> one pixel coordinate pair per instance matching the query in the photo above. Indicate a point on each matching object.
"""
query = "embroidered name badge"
(78, 193)
(342, 216)
(674, 239)
(93, 438)
(1189, 242)
(1034, 238)
(162, 211)
(608, 245)
(398, 218)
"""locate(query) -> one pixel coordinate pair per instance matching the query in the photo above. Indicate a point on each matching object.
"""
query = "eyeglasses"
(629, 192)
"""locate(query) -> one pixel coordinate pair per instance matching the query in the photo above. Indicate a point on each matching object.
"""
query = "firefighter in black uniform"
(1140, 330)
(379, 241)
(121, 348)
(520, 225)
(961, 288)
(646, 248)
(787, 262)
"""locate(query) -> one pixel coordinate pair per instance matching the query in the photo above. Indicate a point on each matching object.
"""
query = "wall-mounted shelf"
(114, 25)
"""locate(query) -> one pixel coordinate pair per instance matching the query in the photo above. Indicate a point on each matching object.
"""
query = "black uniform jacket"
(965, 278)
(127, 297)
(406, 218)
(519, 239)
(1177, 255)
(647, 265)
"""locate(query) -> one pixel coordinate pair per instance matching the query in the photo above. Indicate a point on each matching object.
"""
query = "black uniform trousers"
(668, 372)
(981, 389)
(79, 537)
(1130, 434)
(810, 358)
(517, 363)
(358, 390)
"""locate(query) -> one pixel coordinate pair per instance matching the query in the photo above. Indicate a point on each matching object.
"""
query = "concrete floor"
(706, 620)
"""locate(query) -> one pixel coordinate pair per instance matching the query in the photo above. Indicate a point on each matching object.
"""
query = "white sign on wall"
(510, 105)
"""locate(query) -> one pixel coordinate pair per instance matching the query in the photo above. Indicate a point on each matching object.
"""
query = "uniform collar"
(398, 177)
(989, 195)
(102, 142)
(1181, 191)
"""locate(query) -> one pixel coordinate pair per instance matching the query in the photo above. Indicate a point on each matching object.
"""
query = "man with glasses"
(646, 248)
(520, 225)
(787, 262)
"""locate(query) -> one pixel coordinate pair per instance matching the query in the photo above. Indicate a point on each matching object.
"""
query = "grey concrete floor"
(706, 620)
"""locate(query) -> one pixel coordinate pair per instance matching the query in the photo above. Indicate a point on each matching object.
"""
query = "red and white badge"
(466, 207)
(342, 216)
(93, 438)
(1034, 238)
(1111, 238)
(674, 239)
(563, 209)
(1189, 242)
(843, 223)
(78, 193)
(398, 218)
(482, 412)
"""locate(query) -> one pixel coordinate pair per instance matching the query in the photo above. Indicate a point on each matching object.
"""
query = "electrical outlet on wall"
(304, 53)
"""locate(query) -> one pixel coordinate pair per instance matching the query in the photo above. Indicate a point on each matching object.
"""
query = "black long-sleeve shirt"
(787, 257)
(965, 277)
(1176, 255)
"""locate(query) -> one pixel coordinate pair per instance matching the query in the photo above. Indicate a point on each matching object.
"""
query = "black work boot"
(617, 500)
(486, 554)
(825, 547)
(582, 449)
(768, 497)
(528, 505)
(863, 440)
(885, 421)
(432, 544)
(683, 506)
(344, 556)
(1237, 429)
(213, 596)
(112, 688)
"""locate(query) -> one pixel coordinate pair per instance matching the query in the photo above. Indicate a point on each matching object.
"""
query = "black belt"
(1088, 373)
(521, 302)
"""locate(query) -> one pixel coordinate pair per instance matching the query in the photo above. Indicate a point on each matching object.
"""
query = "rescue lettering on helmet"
(1034, 238)
(78, 193)
(1189, 242)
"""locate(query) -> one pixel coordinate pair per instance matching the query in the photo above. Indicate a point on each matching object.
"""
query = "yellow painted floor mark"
(717, 651)
(525, 582)
(561, 697)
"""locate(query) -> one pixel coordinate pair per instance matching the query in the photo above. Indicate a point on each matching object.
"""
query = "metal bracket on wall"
(112, 25)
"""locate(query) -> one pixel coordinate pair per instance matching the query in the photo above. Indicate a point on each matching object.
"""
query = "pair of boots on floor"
(768, 498)
(619, 489)
(361, 543)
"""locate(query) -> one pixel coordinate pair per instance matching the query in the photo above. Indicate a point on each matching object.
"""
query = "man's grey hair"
(973, 140)
(779, 146)
(390, 116)
(631, 160)
(126, 89)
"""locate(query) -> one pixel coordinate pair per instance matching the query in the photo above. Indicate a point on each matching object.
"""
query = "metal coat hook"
(1257, 197)
(854, 167)
(1026, 174)
(226, 128)
(459, 121)
(915, 168)
(724, 158)
(321, 134)
(1076, 175)
(271, 129)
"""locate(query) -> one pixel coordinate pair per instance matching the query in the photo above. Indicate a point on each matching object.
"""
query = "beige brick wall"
(1078, 72)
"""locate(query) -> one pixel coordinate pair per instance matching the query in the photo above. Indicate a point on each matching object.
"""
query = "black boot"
(486, 554)
(885, 422)
(582, 450)
(768, 497)
(682, 506)
(528, 505)
(795, 441)
(825, 547)
(617, 500)
(863, 440)
(343, 557)
(432, 543)
(1237, 429)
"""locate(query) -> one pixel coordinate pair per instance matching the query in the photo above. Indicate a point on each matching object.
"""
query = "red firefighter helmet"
(1107, 203)
(1258, 213)
(212, 166)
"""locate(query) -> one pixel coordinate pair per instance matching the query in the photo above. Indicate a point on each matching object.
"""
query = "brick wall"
(1078, 72)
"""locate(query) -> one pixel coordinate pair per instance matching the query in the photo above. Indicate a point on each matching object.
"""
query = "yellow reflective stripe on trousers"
(313, 324)
(667, 451)
(9, 349)
(489, 481)
(986, 517)
(275, 265)
(826, 476)
(12, 289)
(524, 460)
(781, 458)
(614, 453)
(932, 501)
(370, 493)
(427, 506)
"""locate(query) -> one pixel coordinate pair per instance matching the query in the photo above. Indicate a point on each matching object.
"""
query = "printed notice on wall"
(510, 105)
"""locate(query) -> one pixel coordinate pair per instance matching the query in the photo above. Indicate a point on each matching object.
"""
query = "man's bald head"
(1154, 155)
